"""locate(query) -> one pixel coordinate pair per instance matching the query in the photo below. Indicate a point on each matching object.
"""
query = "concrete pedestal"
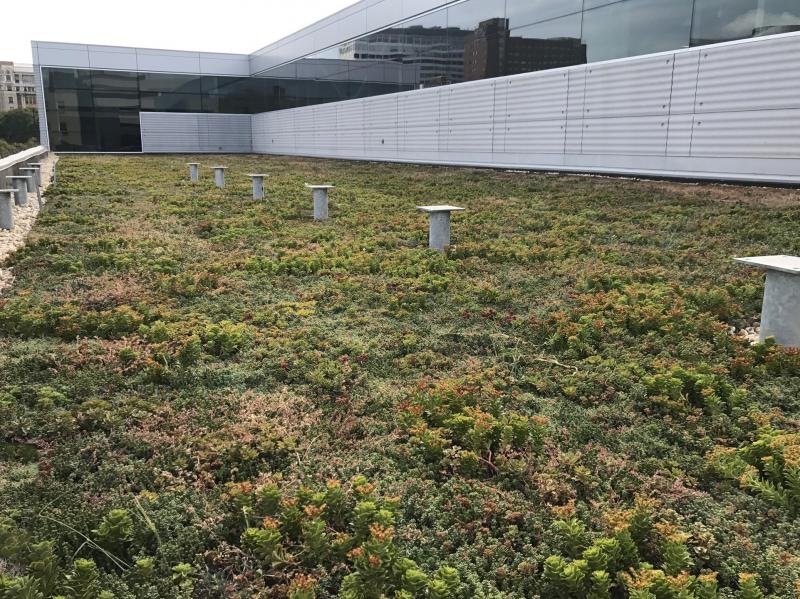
(194, 171)
(7, 208)
(21, 185)
(258, 186)
(38, 166)
(219, 175)
(780, 312)
(33, 173)
(33, 170)
(320, 194)
(439, 225)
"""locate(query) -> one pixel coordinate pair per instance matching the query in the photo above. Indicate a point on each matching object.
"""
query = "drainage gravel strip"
(24, 218)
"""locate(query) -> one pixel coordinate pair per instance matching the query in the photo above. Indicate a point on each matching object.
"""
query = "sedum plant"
(309, 534)
(614, 565)
(466, 426)
(768, 467)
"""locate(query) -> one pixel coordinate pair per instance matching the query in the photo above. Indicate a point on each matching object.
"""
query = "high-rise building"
(491, 51)
(17, 87)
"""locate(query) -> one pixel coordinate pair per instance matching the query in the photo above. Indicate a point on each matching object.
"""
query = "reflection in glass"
(636, 27)
(725, 20)
(521, 13)
(166, 82)
(777, 16)
(492, 50)
(167, 102)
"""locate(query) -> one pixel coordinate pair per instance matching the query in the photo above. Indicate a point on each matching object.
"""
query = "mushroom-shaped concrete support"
(320, 193)
(33, 173)
(7, 208)
(194, 171)
(21, 184)
(258, 186)
(780, 312)
(35, 169)
(219, 175)
(439, 228)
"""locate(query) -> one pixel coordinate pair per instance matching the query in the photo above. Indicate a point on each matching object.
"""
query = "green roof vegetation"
(202, 395)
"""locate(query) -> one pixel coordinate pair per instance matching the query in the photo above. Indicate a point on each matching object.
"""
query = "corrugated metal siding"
(164, 132)
(729, 111)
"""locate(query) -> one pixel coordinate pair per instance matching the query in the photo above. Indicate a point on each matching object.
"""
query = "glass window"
(66, 79)
(723, 20)
(160, 82)
(524, 12)
(636, 27)
(587, 4)
(72, 130)
(118, 130)
(546, 45)
(115, 81)
(479, 28)
(469, 15)
(425, 43)
(119, 100)
(777, 16)
(69, 99)
(167, 102)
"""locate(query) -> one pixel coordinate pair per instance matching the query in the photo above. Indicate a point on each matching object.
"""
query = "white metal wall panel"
(631, 88)
(467, 115)
(535, 112)
(279, 136)
(576, 91)
(225, 133)
(54, 54)
(164, 132)
(576, 96)
(630, 135)
(537, 137)
(350, 128)
(112, 57)
(380, 118)
(83, 56)
(761, 75)
(169, 132)
(325, 125)
(684, 82)
(667, 114)
(304, 131)
(168, 60)
(756, 134)
(418, 115)
(679, 135)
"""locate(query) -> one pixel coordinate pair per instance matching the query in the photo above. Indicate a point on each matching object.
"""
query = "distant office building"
(437, 52)
(491, 51)
(17, 88)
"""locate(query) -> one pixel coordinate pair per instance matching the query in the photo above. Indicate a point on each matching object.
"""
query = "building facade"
(17, 88)
(660, 87)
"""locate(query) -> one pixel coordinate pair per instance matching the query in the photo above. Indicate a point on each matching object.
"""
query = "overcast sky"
(239, 26)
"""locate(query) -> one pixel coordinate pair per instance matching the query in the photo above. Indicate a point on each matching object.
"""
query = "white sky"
(240, 26)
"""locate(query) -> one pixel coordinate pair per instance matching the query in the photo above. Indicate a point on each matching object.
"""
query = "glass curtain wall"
(479, 39)
(98, 111)
(92, 110)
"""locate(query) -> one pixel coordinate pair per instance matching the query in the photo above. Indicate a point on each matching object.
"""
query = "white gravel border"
(24, 219)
